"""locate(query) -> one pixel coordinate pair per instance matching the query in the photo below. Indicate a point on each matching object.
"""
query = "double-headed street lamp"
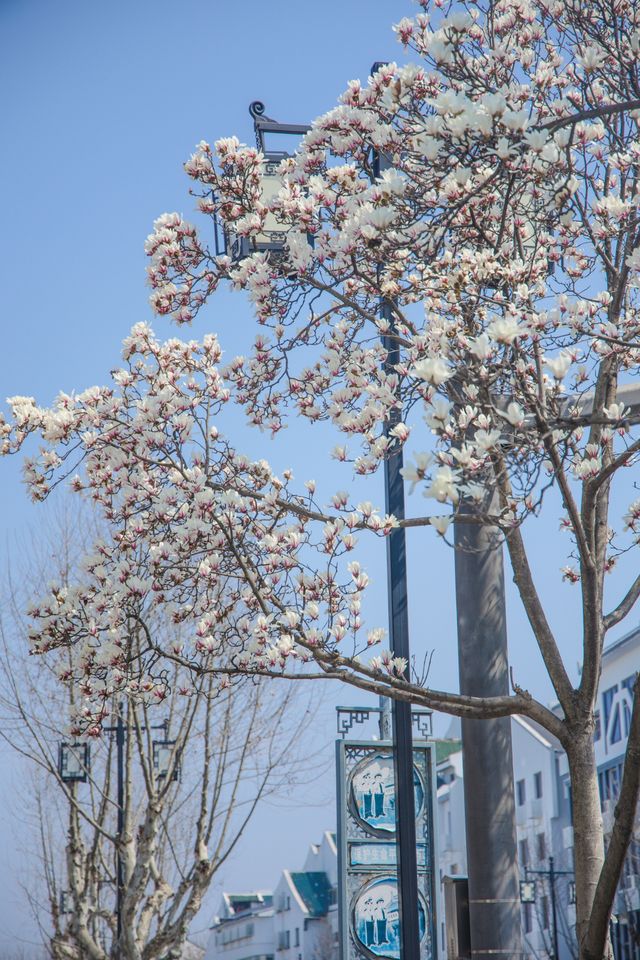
(528, 895)
(272, 239)
(74, 766)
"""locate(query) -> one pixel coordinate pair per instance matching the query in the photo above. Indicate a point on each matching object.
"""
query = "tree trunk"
(588, 837)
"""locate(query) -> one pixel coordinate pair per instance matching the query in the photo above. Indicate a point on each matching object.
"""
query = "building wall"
(242, 937)
(620, 665)
(285, 931)
(539, 811)
(323, 857)
(289, 920)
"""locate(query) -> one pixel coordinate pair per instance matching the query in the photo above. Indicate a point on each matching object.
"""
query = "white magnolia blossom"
(441, 524)
(559, 365)
(415, 474)
(433, 370)
(443, 486)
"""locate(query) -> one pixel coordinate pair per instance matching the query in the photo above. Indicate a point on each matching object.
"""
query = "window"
(628, 685)
(597, 731)
(608, 698)
(616, 726)
(609, 781)
(521, 792)
(528, 917)
(537, 784)
(524, 853)
(541, 847)
(296, 941)
(544, 909)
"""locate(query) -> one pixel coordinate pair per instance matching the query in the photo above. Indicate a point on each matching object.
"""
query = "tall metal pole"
(401, 711)
(120, 740)
(399, 641)
(494, 905)
(554, 911)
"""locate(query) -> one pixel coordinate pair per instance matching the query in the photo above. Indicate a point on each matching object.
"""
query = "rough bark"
(588, 837)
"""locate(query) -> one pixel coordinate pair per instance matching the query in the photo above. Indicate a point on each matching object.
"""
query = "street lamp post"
(397, 598)
(73, 767)
(272, 238)
(401, 711)
(528, 895)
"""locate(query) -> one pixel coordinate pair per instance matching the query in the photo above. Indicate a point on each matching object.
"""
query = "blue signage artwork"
(373, 793)
(368, 887)
(376, 917)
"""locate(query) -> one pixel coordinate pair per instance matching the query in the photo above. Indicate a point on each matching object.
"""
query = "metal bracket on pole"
(263, 124)
(347, 717)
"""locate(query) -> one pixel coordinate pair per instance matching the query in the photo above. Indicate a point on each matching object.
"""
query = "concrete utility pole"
(494, 891)
(494, 902)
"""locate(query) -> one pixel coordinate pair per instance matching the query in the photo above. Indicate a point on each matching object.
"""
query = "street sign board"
(367, 869)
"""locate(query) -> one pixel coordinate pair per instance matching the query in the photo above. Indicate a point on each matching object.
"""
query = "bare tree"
(184, 805)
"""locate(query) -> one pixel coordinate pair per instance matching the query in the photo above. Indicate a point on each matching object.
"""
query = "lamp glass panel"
(528, 891)
(274, 231)
(162, 756)
(73, 761)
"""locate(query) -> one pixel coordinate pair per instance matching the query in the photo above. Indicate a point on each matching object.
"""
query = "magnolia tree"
(502, 238)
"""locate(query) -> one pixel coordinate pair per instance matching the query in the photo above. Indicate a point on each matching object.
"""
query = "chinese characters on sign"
(370, 915)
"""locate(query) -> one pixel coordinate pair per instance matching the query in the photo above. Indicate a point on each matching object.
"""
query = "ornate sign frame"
(368, 896)
(367, 883)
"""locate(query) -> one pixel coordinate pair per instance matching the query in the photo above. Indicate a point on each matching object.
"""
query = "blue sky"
(106, 103)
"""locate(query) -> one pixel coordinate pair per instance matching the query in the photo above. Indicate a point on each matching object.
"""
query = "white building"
(299, 921)
(543, 812)
(620, 666)
(243, 928)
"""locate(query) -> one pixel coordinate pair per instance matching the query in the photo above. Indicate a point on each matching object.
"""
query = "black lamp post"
(272, 239)
(73, 767)
(397, 598)
(528, 894)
